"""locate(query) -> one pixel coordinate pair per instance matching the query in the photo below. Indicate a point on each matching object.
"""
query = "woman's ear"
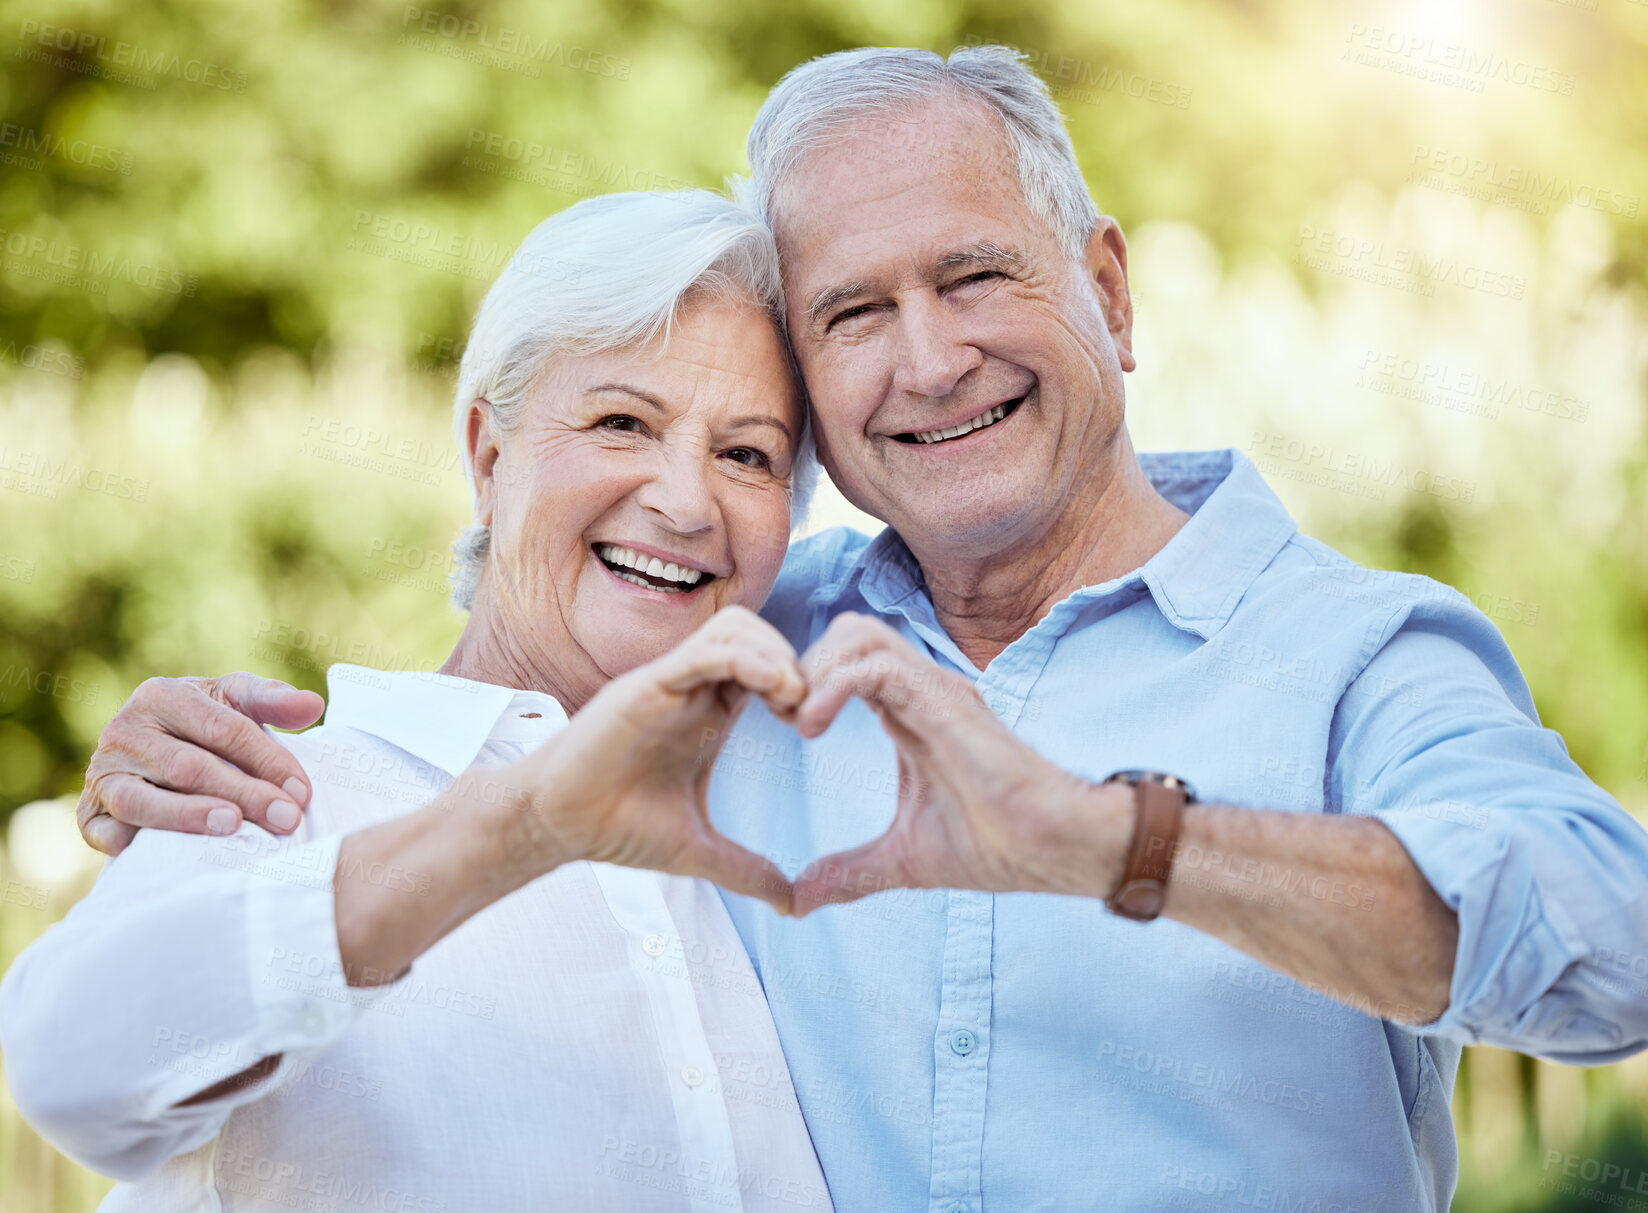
(1106, 262)
(481, 439)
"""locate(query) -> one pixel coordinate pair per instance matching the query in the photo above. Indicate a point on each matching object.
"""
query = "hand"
(977, 807)
(625, 781)
(187, 754)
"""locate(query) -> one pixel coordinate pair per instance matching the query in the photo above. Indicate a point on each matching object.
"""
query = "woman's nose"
(679, 492)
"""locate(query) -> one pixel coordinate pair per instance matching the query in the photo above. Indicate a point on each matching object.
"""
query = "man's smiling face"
(965, 373)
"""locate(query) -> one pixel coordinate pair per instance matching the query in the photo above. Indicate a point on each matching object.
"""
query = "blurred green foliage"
(225, 179)
(240, 243)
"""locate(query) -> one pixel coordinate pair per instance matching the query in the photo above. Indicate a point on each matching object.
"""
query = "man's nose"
(933, 354)
(679, 493)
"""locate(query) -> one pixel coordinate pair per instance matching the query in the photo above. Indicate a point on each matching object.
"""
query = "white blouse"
(596, 1040)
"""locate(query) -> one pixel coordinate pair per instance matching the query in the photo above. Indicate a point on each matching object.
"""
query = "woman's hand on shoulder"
(188, 754)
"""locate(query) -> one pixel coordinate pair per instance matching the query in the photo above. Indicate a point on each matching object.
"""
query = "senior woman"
(440, 993)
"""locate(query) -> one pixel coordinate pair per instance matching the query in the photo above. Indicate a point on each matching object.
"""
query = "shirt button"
(314, 1023)
(962, 1043)
(957, 1206)
(653, 945)
(692, 1076)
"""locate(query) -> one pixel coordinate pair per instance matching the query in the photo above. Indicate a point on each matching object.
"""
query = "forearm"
(1333, 901)
(402, 886)
(196, 935)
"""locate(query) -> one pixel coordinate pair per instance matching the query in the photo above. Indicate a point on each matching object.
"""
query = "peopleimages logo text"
(111, 267)
(87, 45)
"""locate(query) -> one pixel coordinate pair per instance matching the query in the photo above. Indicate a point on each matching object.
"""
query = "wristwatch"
(1158, 802)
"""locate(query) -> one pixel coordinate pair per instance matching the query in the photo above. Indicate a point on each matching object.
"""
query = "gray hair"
(821, 99)
(606, 273)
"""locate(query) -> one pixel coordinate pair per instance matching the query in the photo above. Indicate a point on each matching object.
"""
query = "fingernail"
(294, 787)
(283, 815)
(222, 821)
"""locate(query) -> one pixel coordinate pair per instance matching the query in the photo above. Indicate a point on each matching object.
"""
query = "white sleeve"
(192, 959)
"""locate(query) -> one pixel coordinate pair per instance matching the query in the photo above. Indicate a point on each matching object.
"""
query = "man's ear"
(1106, 262)
(482, 442)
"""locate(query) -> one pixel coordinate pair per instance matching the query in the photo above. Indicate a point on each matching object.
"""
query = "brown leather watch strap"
(1159, 802)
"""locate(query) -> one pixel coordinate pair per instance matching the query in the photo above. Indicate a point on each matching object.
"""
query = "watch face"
(1132, 777)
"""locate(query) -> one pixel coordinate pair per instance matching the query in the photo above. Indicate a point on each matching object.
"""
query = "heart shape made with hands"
(977, 807)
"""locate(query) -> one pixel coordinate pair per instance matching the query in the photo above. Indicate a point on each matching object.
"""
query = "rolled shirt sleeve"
(191, 960)
(1438, 738)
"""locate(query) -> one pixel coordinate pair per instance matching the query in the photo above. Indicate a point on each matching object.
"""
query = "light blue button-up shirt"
(957, 1050)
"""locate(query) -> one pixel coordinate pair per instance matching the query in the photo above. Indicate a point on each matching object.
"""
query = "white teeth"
(989, 417)
(646, 585)
(629, 558)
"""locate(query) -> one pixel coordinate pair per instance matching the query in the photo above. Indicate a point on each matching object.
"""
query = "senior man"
(1360, 849)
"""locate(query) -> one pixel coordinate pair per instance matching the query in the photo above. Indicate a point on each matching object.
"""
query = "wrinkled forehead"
(723, 353)
(879, 206)
(950, 138)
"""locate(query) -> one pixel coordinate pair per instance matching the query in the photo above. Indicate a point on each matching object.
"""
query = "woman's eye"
(749, 457)
(620, 421)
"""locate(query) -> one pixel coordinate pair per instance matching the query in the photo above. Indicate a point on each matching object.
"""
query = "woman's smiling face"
(639, 492)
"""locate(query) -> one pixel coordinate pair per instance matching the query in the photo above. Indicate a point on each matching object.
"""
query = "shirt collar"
(1236, 527)
(436, 718)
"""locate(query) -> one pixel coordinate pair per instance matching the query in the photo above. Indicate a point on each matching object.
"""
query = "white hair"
(820, 100)
(607, 273)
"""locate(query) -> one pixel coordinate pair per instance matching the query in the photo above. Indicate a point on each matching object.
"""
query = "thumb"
(267, 700)
(849, 875)
(104, 833)
(721, 861)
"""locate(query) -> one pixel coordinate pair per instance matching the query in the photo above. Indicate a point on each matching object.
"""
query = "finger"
(190, 770)
(786, 697)
(268, 700)
(148, 753)
(851, 874)
(718, 859)
(704, 663)
(827, 693)
(835, 664)
(737, 622)
(740, 626)
(189, 710)
(915, 692)
(783, 709)
(851, 636)
(139, 804)
(104, 833)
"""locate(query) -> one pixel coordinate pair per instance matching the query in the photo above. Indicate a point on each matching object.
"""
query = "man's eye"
(981, 276)
(852, 313)
(749, 457)
(621, 421)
